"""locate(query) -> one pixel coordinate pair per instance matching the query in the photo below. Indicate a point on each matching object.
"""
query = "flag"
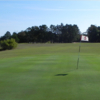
(84, 38)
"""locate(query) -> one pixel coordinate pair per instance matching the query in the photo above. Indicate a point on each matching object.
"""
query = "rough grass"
(48, 72)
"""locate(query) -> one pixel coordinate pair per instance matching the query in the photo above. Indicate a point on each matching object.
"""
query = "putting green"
(48, 72)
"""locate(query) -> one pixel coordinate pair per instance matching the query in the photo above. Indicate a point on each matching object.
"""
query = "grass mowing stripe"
(88, 80)
(34, 68)
(28, 77)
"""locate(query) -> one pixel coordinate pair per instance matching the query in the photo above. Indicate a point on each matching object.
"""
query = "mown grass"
(48, 72)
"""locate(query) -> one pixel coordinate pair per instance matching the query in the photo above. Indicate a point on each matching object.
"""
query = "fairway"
(49, 72)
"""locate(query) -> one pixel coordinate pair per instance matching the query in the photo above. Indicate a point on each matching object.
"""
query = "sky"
(18, 15)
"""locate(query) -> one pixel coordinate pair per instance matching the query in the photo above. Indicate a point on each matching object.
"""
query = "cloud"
(61, 9)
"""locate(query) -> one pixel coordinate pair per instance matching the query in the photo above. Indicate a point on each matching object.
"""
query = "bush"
(48, 42)
(8, 44)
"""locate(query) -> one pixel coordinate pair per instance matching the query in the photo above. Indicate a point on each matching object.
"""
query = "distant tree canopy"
(42, 34)
(94, 33)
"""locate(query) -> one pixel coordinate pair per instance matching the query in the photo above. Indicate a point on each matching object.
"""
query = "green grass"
(35, 72)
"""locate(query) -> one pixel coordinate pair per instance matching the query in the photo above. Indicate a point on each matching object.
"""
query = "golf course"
(48, 71)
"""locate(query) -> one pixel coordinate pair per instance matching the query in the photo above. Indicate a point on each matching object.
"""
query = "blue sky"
(17, 15)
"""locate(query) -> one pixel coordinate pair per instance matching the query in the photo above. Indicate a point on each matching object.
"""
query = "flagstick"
(78, 54)
(83, 38)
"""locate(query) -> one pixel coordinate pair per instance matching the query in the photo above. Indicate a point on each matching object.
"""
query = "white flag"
(84, 38)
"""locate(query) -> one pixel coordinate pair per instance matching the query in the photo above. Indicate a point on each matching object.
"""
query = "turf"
(48, 72)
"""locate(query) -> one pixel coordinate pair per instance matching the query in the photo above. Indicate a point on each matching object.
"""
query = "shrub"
(48, 42)
(8, 44)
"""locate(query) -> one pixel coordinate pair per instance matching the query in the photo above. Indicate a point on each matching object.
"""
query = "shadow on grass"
(66, 74)
(61, 74)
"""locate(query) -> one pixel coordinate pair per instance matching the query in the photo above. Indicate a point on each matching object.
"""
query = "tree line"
(42, 34)
(94, 33)
(54, 34)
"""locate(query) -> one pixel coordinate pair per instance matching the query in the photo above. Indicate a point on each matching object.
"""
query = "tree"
(93, 33)
(32, 34)
(59, 33)
(7, 35)
(53, 28)
(22, 37)
(15, 36)
(8, 44)
(42, 33)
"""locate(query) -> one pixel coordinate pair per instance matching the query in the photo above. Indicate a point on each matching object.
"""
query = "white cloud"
(60, 9)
